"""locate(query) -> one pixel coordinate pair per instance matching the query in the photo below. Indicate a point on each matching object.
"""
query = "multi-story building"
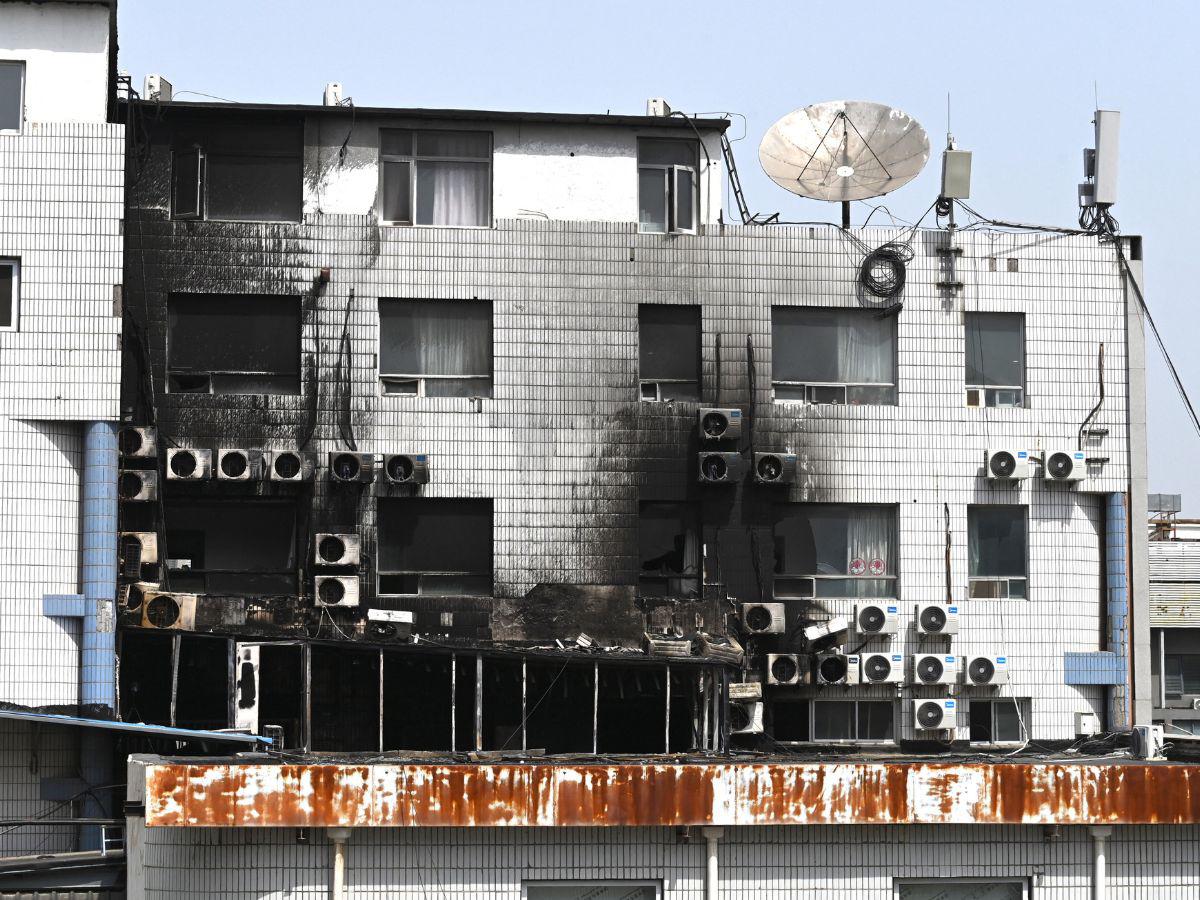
(1175, 617)
(61, 207)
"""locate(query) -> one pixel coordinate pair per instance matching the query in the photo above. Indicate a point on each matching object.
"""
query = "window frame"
(413, 159)
(22, 68)
(658, 383)
(1167, 679)
(1005, 581)
(1023, 718)
(670, 174)
(987, 391)
(13, 262)
(893, 576)
(690, 512)
(381, 572)
(811, 387)
(898, 883)
(655, 883)
(385, 378)
(872, 742)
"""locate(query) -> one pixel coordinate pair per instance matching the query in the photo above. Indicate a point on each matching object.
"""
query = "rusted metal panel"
(436, 795)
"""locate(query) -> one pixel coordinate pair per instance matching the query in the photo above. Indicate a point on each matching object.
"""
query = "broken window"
(146, 664)
(669, 352)
(852, 720)
(501, 715)
(998, 552)
(233, 344)
(344, 698)
(202, 683)
(592, 890)
(436, 177)
(995, 721)
(835, 550)
(270, 689)
(833, 355)
(12, 94)
(668, 184)
(790, 720)
(436, 348)
(416, 702)
(559, 698)
(435, 547)
(243, 548)
(669, 548)
(250, 172)
(995, 359)
(963, 889)
(1181, 661)
(10, 292)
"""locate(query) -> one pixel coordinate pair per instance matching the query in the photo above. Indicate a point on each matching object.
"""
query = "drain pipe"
(711, 836)
(338, 836)
(1100, 836)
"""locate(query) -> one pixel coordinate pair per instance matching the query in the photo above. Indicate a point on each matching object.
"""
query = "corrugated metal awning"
(1174, 584)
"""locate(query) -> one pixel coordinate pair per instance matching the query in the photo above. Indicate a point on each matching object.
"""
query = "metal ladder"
(735, 182)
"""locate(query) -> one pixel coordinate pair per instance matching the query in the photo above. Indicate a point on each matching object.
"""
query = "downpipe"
(338, 838)
(1100, 836)
(712, 835)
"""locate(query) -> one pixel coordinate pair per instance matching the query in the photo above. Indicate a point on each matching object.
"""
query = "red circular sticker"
(858, 566)
(878, 567)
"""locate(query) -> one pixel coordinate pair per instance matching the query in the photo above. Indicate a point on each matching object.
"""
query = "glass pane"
(1191, 674)
(874, 720)
(186, 201)
(397, 199)
(589, 890)
(1174, 679)
(979, 718)
(247, 549)
(426, 535)
(789, 392)
(458, 387)
(828, 539)
(669, 152)
(455, 585)
(435, 337)
(453, 193)
(669, 343)
(253, 188)
(1008, 723)
(867, 396)
(681, 390)
(255, 384)
(405, 388)
(995, 349)
(12, 74)
(855, 587)
(652, 200)
(396, 142)
(668, 540)
(234, 333)
(7, 284)
(833, 720)
(997, 540)
(949, 889)
(826, 345)
(476, 144)
(685, 200)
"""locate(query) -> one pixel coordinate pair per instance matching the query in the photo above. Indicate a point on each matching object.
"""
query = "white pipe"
(711, 836)
(338, 836)
(1100, 835)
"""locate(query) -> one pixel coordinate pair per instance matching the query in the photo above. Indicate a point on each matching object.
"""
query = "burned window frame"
(1004, 583)
(865, 585)
(417, 384)
(22, 75)
(669, 174)
(855, 721)
(690, 584)
(986, 392)
(13, 265)
(654, 385)
(413, 161)
(837, 393)
(173, 374)
(481, 503)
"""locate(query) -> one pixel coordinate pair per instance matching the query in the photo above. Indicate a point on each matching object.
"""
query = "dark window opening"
(669, 352)
(435, 547)
(436, 348)
(416, 702)
(839, 356)
(243, 548)
(243, 173)
(994, 721)
(345, 699)
(669, 550)
(145, 677)
(202, 696)
(233, 344)
(995, 355)
(668, 184)
(835, 550)
(10, 280)
(279, 691)
(632, 712)
(790, 720)
(853, 720)
(436, 177)
(465, 676)
(12, 94)
(559, 707)
(998, 552)
(501, 704)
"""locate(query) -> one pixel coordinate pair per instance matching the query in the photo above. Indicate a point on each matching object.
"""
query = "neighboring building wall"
(1175, 622)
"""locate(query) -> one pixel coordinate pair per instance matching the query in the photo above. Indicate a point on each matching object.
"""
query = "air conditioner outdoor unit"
(406, 468)
(137, 485)
(336, 549)
(746, 717)
(157, 89)
(169, 611)
(1146, 742)
(834, 668)
(882, 668)
(138, 548)
(774, 468)
(745, 690)
(389, 624)
(720, 424)
(833, 625)
(985, 671)
(336, 590)
(720, 468)
(788, 669)
(934, 668)
(1196, 704)
(937, 618)
(763, 618)
(1064, 465)
(138, 441)
(188, 464)
(352, 467)
(877, 618)
(132, 596)
(934, 715)
(1007, 465)
(289, 465)
(239, 465)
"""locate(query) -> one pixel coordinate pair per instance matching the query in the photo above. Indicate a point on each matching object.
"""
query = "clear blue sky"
(1021, 75)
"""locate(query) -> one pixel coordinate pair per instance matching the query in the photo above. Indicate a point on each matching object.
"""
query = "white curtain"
(431, 337)
(865, 352)
(869, 538)
(452, 193)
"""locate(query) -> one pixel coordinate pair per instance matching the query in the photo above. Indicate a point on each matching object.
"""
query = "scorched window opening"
(669, 549)
(435, 547)
(827, 550)
(235, 547)
(668, 352)
(435, 348)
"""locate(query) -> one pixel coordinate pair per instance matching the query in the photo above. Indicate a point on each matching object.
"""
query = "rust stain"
(436, 795)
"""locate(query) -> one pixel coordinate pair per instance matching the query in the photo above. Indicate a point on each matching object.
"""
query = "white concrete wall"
(65, 50)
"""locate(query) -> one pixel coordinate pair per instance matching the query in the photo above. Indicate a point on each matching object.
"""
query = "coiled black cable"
(884, 270)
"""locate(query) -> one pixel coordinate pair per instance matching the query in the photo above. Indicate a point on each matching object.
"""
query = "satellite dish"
(844, 150)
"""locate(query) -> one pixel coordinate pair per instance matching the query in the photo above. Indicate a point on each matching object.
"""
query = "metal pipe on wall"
(338, 837)
(712, 835)
(1100, 836)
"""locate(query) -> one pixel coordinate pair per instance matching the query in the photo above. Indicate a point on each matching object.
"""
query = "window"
(669, 546)
(995, 359)
(852, 720)
(667, 184)
(998, 552)
(669, 352)
(233, 344)
(995, 721)
(1183, 673)
(833, 355)
(435, 177)
(435, 547)
(10, 293)
(591, 890)
(436, 348)
(829, 550)
(243, 173)
(221, 548)
(12, 94)
(963, 889)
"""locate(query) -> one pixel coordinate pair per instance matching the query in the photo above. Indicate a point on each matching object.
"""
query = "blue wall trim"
(67, 606)
(1101, 667)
